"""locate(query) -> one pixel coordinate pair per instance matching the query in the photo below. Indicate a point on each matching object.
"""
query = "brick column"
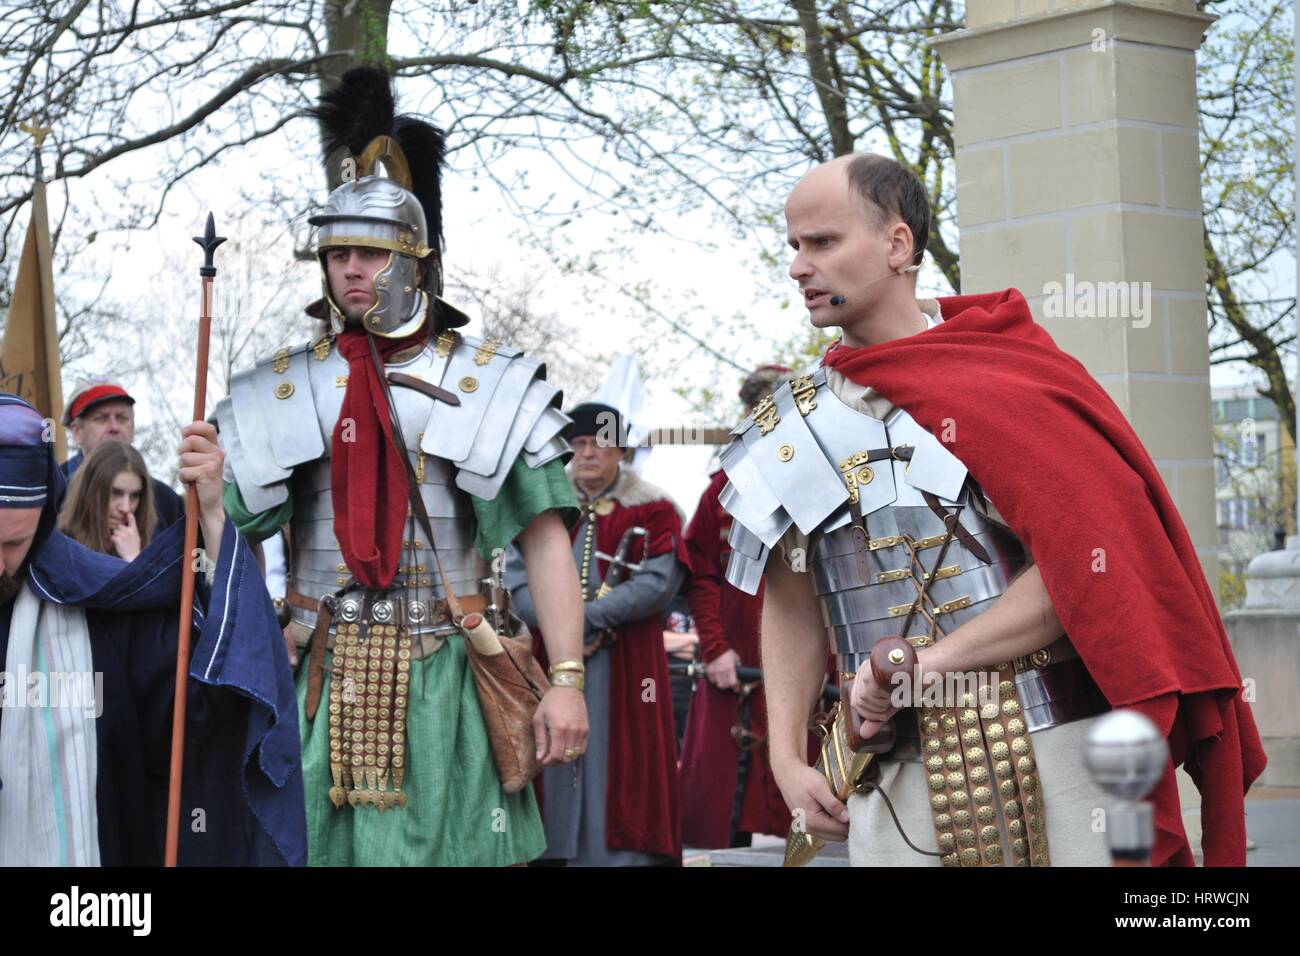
(1078, 182)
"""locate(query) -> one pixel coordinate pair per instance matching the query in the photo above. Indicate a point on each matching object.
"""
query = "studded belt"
(1058, 692)
(428, 620)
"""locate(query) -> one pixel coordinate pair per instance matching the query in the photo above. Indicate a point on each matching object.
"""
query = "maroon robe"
(642, 797)
(726, 618)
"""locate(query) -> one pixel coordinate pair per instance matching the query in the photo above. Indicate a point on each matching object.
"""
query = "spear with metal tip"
(209, 242)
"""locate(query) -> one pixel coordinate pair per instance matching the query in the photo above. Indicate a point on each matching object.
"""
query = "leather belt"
(420, 614)
(1076, 697)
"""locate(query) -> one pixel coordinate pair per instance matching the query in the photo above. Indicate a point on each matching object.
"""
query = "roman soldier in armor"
(874, 479)
(619, 805)
(396, 755)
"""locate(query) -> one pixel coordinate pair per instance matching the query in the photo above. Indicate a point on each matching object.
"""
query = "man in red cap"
(103, 411)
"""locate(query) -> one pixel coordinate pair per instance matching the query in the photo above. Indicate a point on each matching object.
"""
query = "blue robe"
(242, 792)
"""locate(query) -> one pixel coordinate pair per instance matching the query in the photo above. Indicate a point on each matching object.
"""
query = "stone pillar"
(1078, 182)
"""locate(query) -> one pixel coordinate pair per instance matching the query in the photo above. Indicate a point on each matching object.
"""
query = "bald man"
(875, 474)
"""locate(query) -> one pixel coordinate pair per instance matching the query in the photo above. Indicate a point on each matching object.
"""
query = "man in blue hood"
(88, 644)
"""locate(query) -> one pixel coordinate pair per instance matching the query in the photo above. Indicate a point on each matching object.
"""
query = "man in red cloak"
(1112, 565)
(728, 791)
(619, 804)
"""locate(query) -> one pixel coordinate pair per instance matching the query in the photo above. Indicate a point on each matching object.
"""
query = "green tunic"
(456, 812)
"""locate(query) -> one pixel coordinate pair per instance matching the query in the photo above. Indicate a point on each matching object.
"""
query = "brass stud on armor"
(950, 742)
(1015, 726)
(979, 775)
(970, 718)
(982, 795)
(1031, 804)
(953, 762)
(1019, 847)
(930, 725)
(1006, 687)
(1011, 810)
(989, 711)
(785, 453)
(999, 750)
(284, 390)
(970, 738)
(1003, 769)
(961, 819)
(995, 732)
(942, 821)
(966, 837)
(949, 859)
(956, 779)
(936, 782)
(1025, 764)
(975, 755)
(993, 854)
(932, 745)
(1016, 828)
(948, 722)
(934, 764)
(947, 842)
(959, 799)
(1029, 783)
(939, 802)
(1011, 707)
(970, 857)
(1007, 788)
(989, 834)
(1020, 745)
(986, 815)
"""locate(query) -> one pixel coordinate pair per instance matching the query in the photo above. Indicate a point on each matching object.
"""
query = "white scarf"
(48, 767)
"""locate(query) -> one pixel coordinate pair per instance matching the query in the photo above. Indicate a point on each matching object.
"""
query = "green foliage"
(1232, 590)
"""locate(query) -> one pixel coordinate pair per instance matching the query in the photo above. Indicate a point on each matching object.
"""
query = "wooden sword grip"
(890, 656)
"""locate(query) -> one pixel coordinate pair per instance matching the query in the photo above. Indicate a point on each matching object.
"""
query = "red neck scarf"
(365, 469)
(1056, 455)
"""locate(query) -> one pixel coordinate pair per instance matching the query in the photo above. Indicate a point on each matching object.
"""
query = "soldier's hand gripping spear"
(207, 272)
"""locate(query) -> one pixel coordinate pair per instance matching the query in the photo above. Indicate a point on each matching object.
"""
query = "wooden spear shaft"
(209, 242)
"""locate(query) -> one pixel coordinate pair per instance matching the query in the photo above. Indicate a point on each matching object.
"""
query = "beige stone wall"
(1077, 169)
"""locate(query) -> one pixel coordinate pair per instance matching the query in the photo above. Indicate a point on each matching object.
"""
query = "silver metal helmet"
(378, 213)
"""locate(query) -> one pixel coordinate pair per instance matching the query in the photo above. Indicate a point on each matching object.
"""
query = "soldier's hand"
(560, 726)
(870, 702)
(721, 671)
(201, 462)
(291, 647)
(813, 805)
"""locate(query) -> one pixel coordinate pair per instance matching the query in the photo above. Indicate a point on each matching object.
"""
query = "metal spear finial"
(209, 242)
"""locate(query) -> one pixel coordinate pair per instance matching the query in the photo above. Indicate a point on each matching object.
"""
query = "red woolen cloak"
(1056, 455)
(643, 803)
(726, 619)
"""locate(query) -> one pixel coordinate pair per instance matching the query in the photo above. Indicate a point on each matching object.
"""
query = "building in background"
(1254, 490)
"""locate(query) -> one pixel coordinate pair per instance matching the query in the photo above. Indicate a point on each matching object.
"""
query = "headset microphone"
(837, 300)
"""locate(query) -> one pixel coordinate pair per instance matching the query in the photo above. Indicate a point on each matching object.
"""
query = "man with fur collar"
(619, 804)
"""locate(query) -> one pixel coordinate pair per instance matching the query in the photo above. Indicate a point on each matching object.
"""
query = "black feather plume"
(425, 147)
(363, 107)
(360, 108)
